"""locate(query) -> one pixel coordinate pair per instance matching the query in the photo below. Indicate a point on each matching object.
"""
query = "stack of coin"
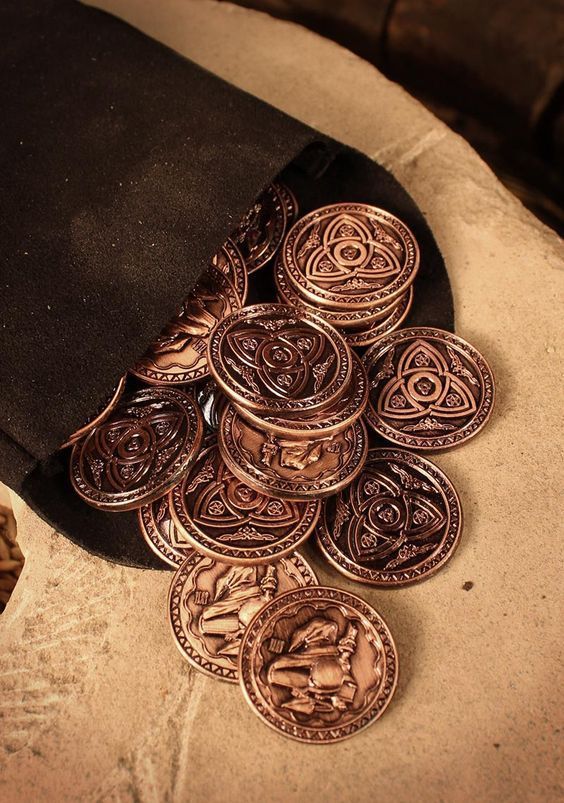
(354, 265)
(292, 428)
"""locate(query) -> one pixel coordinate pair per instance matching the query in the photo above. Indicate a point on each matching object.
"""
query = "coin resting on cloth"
(231, 263)
(224, 517)
(318, 664)
(139, 452)
(210, 604)
(100, 416)
(160, 532)
(429, 389)
(397, 523)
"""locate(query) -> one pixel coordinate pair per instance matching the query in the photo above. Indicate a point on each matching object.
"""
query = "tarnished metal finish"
(429, 389)
(318, 664)
(161, 534)
(396, 524)
(210, 604)
(137, 454)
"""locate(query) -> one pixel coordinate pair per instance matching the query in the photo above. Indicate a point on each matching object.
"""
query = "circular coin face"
(262, 230)
(372, 333)
(179, 354)
(159, 531)
(139, 452)
(330, 421)
(350, 256)
(396, 524)
(429, 389)
(101, 415)
(230, 262)
(228, 519)
(291, 468)
(318, 664)
(277, 359)
(211, 603)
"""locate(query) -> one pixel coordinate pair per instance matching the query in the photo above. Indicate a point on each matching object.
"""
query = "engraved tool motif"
(397, 523)
(211, 603)
(159, 531)
(429, 389)
(230, 520)
(139, 452)
(318, 664)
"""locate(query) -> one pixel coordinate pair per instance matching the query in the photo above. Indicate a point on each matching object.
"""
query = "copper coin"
(229, 520)
(339, 416)
(139, 452)
(262, 230)
(277, 359)
(396, 524)
(100, 416)
(211, 603)
(161, 534)
(288, 467)
(179, 355)
(429, 389)
(350, 256)
(230, 262)
(339, 318)
(371, 334)
(211, 402)
(318, 664)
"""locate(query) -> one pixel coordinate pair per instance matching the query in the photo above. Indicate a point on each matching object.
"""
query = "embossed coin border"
(245, 556)
(244, 396)
(359, 300)
(157, 484)
(150, 532)
(286, 488)
(234, 257)
(431, 564)
(308, 596)
(183, 642)
(441, 441)
(381, 328)
(101, 416)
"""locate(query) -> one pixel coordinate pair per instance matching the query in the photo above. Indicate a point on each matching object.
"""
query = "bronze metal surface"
(211, 603)
(351, 256)
(291, 468)
(429, 389)
(261, 232)
(231, 263)
(211, 401)
(100, 416)
(277, 359)
(318, 664)
(179, 354)
(374, 332)
(328, 422)
(161, 534)
(137, 454)
(396, 524)
(227, 519)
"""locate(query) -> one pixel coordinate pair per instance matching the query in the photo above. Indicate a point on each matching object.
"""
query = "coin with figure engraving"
(231, 263)
(260, 233)
(291, 468)
(318, 664)
(161, 534)
(210, 604)
(334, 419)
(139, 452)
(429, 389)
(230, 520)
(272, 358)
(100, 415)
(350, 256)
(373, 332)
(396, 524)
(179, 354)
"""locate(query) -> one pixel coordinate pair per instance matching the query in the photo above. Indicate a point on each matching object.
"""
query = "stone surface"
(97, 704)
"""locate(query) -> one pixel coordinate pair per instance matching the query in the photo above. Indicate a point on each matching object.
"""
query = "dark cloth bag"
(123, 167)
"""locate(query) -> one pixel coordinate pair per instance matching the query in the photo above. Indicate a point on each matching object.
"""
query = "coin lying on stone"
(139, 452)
(318, 664)
(429, 389)
(211, 603)
(161, 534)
(397, 523)
(228, 519)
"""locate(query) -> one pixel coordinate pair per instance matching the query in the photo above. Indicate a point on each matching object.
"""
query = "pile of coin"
(242, 431)
(353, 265)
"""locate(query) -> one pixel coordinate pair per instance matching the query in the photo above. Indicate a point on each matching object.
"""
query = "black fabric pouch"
(123, 167)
